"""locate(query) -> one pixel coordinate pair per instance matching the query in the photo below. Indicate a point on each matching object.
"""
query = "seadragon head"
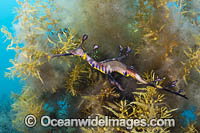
(77, 52)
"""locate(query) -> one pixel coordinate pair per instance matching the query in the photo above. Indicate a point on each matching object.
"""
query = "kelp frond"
(63, 41)
(79, 75)
(26, 103)
(190, 129)
(28, 63)
(9, 36)
(193, 62)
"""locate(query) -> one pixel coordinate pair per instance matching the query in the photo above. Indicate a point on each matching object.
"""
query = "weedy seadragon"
(115, 65)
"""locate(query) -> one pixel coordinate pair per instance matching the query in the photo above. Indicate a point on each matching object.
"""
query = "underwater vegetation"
(26, 103)
(148, 104)
(164, 36)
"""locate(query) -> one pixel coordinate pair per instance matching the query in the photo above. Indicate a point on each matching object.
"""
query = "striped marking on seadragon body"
(100, 67)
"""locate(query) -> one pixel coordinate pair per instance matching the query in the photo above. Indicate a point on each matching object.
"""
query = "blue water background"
(189, 116)
(7, 15)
